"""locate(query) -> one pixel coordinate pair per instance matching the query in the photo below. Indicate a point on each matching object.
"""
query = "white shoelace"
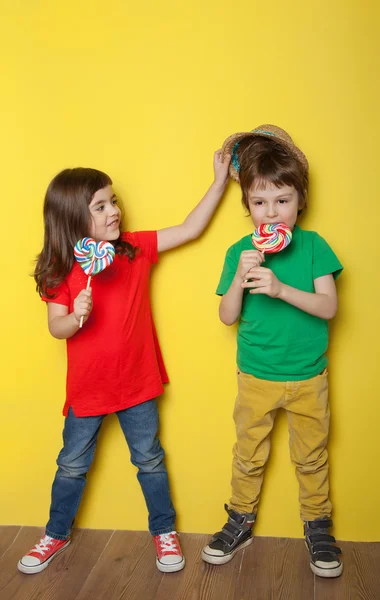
(168, 542)
(43, 545)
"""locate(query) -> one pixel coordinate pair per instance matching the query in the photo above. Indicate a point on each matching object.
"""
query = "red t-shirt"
(115, 360)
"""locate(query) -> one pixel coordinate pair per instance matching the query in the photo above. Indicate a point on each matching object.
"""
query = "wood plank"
(63, 578)
(8, 534)
(275, 569)
(360, 579)
(13, 584)
(106, 565)
(127, 570)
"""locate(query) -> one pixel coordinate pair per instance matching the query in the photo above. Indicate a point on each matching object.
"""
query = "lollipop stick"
(87, 288)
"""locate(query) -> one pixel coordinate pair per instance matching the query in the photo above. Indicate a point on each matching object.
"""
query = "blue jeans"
(140, 425)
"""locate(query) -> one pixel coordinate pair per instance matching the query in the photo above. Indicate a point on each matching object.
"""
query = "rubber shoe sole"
(38, 568)
(327, 573)
(225, 558)
(333, 572)
(170, 568)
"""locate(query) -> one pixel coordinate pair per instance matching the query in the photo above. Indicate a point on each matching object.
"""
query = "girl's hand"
(264, 282)
(83, 305)
(249, 259)
(221, 168)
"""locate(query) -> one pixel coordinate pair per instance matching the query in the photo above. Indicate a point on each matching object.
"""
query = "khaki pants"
(307, 409)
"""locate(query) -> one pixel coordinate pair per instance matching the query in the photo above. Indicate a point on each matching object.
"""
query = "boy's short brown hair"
(262, 159)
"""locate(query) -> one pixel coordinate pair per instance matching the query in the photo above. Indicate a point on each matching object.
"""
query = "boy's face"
(105, 215)
(270, 204)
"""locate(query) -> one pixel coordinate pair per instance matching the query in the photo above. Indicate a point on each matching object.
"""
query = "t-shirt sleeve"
(61, 294)
(146, 241)
(229, 270)
(325, 261)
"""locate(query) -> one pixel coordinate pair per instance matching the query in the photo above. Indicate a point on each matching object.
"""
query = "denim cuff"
(56, 536)
(163, 531)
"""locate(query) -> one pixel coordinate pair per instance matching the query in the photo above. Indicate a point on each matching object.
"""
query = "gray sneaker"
(324, 555)
(235, 535)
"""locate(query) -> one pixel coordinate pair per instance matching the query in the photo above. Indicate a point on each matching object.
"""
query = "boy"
(283, 310)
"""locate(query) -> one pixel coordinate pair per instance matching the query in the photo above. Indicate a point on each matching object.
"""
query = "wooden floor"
(120, 565)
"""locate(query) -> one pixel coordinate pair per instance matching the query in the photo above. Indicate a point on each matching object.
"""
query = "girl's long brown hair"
(66, 220)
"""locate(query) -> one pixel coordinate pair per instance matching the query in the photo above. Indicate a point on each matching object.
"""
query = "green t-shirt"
(275, 340)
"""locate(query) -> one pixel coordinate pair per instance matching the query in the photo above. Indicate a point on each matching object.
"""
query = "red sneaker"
(39, 557)
(169, 555)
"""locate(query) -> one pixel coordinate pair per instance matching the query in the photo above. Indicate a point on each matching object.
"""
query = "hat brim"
(230, 142)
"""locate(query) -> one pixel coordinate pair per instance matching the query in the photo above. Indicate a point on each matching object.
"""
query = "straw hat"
(272, 132)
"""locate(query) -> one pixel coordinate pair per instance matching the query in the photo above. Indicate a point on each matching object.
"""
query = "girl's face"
(271, 204)
(105, 215)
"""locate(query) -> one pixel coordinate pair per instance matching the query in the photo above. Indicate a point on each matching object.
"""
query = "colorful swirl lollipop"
(271, 237)
(93, 257)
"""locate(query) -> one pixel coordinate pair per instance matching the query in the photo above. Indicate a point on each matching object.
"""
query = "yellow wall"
(146, 91)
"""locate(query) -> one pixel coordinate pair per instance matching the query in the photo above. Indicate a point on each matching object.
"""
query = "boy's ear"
(301, 208)
(301, 205)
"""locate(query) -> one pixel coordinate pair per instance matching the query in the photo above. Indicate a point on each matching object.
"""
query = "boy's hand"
(83, 305)
(264, 282)
(221, 168)
(249, 260)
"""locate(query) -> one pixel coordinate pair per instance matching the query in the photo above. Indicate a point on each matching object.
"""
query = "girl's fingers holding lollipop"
(84, 298)
(83, 304)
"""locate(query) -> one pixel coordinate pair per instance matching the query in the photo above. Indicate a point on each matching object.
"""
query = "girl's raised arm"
(197, 220)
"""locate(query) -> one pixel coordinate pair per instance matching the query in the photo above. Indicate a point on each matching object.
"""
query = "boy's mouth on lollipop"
(269, 222)
(277, 222)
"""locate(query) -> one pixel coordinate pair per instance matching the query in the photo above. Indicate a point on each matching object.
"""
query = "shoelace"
(168, 542)
(43, 545)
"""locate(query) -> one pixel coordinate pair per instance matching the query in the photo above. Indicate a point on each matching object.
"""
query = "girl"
(114, 361)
